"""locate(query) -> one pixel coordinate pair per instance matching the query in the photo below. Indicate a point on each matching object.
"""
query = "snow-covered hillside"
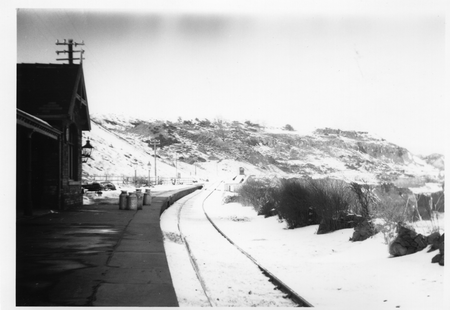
(216, 149)
(118, 153)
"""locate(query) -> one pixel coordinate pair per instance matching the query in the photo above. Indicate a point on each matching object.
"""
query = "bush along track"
(334, 204)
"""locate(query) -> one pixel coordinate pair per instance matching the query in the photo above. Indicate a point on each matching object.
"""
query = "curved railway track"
(277, 283)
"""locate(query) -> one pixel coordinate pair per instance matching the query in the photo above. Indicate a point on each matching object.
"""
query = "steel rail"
(275, 280)
(290, 293)
(191, 256)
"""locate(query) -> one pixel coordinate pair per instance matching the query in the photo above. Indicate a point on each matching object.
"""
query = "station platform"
(96, 255)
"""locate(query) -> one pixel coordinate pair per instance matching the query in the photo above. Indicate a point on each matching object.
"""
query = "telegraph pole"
(149, 169)
(70, 44)
(155, 142)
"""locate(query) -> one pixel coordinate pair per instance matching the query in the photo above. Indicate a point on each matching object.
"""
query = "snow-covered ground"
(92, 197)
(327, 270)
(216, 260)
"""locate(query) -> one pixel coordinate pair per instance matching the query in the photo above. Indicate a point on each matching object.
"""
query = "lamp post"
(176, 166)
(86, 151)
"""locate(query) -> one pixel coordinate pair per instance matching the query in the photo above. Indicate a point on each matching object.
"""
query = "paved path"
(96, 255)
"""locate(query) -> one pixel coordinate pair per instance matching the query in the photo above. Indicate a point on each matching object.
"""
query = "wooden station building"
(52, 112)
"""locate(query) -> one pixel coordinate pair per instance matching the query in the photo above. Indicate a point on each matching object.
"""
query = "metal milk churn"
(147, 197)
(140, 198)
(132, 201)
(123, 200)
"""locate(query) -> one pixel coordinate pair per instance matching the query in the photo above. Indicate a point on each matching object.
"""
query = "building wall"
(36, 89)
(36, 157)
(22, 159)
(49, 161)
(72, 195)
(232, 187)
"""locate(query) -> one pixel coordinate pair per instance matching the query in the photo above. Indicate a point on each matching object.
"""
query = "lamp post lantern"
(86, 151)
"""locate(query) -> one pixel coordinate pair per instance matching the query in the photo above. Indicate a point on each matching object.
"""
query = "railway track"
(225, 249)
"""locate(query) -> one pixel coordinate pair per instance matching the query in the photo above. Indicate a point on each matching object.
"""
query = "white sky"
(354, 65)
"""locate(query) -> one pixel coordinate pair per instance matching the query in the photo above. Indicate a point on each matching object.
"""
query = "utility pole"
(155, 142)
(70, 44)
(149, 169)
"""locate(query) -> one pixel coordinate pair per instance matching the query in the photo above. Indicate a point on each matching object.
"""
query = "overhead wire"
(45, 35)
(66, 34)
(92, 57)
(65, 31)
(68, 18)
(44, 24)
(58, 25)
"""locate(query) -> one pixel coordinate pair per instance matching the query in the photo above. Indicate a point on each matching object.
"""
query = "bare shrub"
(389, 210)
(381, 214)
(271, 203)
(256, 193)
(365, 198)
(388, 229)
(308, 202)
(294, 204)
(288, 127)
(330, 198)
(230, 198)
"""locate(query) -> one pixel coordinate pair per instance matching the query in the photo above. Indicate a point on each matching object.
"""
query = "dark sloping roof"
(48, 91)
(29, 121)
(45, 88)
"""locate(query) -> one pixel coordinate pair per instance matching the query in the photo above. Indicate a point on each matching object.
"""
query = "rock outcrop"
(429, 203)
(344, 221)
(409, 242)
(436, 160)
(438, 244)
(363, 230)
